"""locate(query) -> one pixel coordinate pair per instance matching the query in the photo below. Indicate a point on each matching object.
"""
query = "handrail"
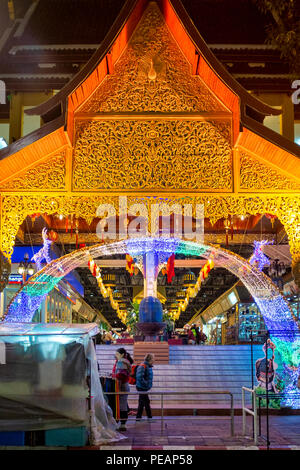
(162, 393)
(246, 410)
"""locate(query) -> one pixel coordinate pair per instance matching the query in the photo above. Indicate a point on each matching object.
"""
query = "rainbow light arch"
(275, 309)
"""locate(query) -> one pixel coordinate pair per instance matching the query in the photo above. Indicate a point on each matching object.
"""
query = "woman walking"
(121, 372)
(144, 379)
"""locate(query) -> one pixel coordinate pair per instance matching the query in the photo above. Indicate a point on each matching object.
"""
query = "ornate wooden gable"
(153, 113)
(152, 124)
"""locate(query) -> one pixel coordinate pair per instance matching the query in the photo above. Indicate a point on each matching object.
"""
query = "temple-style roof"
(247, 111)
(201, 48)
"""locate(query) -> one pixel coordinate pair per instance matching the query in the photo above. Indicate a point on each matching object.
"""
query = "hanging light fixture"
(180, 295)
(122, 306)
(227, 227)
(117, 295)
(109, 280)
(26, 267)
(189, 279)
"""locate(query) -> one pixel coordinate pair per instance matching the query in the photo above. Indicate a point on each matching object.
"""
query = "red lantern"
(53, 235)
(34, 216)
(170, 268)
(272, 218)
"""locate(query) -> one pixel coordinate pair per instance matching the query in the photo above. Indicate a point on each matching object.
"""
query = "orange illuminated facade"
(152, 114)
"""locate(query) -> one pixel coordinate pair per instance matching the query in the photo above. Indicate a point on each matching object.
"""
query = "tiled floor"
(205, 433)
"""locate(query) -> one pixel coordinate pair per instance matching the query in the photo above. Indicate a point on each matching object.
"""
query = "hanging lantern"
(129, 264)
(180, 295)
(117, 295)
(174, 306)
(170, 268)
(76, 232)
(272, 218)
(109, 280)
(34, 217)
(52, 235)
(189, 280)
(227, 227)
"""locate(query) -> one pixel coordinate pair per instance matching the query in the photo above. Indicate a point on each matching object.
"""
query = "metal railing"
(162, 394)
(252, 412)
(268, 397)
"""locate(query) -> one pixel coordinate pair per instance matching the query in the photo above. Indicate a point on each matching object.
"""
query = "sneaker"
(150, 420)
(138, 420)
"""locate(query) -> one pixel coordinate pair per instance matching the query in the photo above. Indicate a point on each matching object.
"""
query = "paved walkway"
(207, 433)
(204, 433)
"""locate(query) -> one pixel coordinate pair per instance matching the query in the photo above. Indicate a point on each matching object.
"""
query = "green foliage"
(133, 318)
(168, 321)
(284, 31)
(103, 326)
(273, 403)
(289, 352)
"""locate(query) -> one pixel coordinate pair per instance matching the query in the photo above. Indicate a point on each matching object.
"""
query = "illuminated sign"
(15, 279)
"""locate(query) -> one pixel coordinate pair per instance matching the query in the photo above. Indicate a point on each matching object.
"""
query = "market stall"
(49, 382)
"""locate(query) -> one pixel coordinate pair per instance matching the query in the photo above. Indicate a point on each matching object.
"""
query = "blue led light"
(274, 308)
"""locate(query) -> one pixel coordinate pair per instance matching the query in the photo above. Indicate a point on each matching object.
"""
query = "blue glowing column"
(150, 267)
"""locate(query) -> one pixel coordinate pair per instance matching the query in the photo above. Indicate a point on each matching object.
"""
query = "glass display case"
(241, 320)
(295, 306)
(250, 320)
(213, 330)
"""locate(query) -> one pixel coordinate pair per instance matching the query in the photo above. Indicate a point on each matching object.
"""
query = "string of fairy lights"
(106, 292)
(192, 291)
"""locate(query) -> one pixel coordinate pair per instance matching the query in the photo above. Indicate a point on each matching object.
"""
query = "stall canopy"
(15, 329)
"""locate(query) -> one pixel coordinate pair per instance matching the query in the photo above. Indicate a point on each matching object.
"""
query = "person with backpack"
(195, 333)
(191, 337)
(202, 335)
(144, 379)
(121, 372)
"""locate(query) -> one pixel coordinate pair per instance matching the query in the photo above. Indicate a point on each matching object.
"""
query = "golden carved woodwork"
(49, 175)
(151, 154)
(5, 270)
(92, 238)
(255, 175)
(185, 150)
(152, 75)
(16, 207)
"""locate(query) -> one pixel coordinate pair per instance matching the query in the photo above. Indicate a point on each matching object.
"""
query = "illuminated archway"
(275, 309)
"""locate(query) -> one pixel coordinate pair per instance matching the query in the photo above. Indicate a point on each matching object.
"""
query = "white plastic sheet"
(44, 376)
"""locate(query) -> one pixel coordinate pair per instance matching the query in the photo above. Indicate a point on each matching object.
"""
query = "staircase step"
(194, 369)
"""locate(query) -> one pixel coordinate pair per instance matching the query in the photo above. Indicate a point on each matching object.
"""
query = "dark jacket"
(122, 370)
(144, 377)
